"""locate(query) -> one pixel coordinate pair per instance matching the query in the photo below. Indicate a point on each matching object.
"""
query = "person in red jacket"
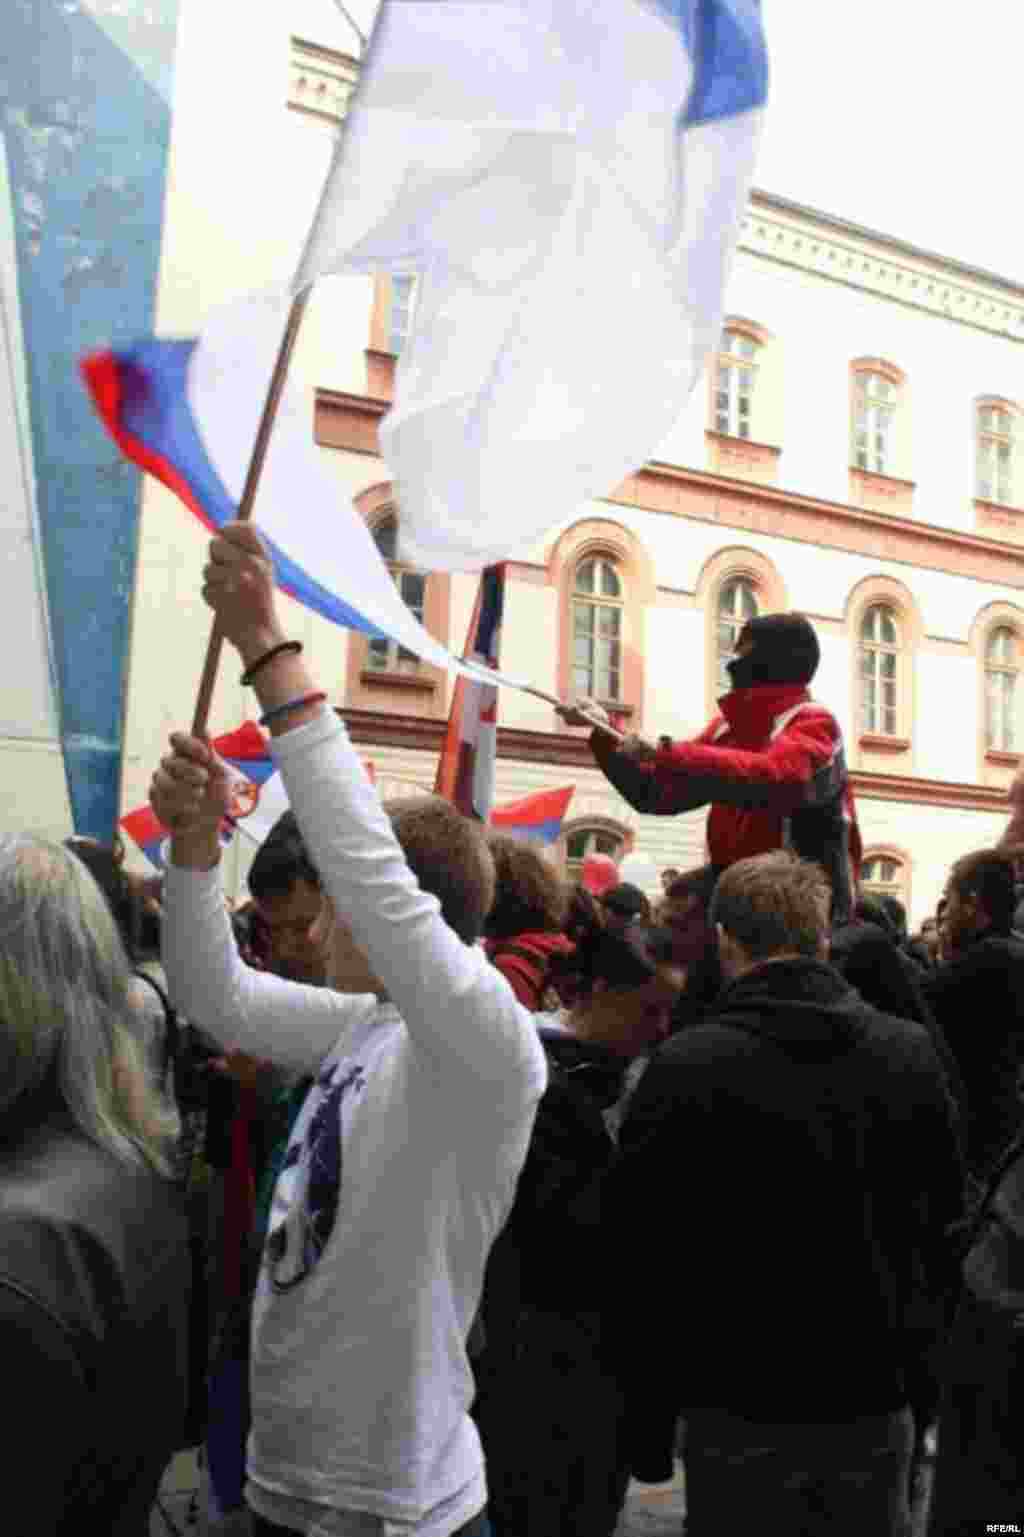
(771, 764)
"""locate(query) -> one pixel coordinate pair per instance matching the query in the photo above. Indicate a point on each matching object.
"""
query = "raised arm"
(454, 1003)
(780, 777)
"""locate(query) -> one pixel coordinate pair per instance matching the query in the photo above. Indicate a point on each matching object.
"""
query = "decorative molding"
(742, 458)
(874, 741)
(842, 253)
(881, 493)
(372, 728)
(349, 422)
(1000, 521)
(320, 80)
(380, 374)
(386, 678)
(782, 514)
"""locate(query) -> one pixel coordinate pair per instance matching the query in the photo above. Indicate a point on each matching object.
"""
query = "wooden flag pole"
(538, 693)
(252, 481)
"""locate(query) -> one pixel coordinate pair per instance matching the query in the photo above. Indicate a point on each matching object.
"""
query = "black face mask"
(784, 650)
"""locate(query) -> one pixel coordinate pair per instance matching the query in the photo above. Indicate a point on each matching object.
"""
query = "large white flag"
(566, 178)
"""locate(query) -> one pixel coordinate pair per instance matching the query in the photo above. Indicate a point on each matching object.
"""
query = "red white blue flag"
(535, 818)
(465, 772)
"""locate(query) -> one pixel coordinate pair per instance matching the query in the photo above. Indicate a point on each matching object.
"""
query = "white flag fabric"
(566, 179)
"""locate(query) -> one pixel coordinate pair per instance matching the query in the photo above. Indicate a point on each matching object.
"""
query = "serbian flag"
(247, 755)
(567, 183)
(465, 770)
(536, 818)
(187, 412)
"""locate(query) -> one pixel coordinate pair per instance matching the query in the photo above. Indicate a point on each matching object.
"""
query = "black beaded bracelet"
(286, 646)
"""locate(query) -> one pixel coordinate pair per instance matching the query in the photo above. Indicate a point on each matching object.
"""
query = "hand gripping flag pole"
(252, 480)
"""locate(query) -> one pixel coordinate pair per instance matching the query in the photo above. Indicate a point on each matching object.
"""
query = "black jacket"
(93, 1293)
(788, 1173)
(978, 1001)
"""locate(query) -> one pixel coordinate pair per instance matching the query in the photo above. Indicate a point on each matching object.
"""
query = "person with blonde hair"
(93, 1248)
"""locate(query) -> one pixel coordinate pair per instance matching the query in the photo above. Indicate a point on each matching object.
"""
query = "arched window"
(997, 438)
(879, 666)
(737, 602)
(582, 841)
(737, 376)
(597, 604)
(386, 655)
(401, 308)
(1002, 665)
(881, 875)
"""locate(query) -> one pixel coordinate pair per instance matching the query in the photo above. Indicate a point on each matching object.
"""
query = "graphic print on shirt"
(310, 1181)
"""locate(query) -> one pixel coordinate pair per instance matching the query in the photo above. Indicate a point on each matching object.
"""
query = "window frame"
(737, 366)
(900, 887)
(592, 828)
(596, 602)
(999, 493)
(740, 579)
(399, 662)
(1007, 671)
(878, 649)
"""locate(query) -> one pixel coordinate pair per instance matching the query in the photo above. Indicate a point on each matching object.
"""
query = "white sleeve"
(455, 1004)
(264, 1015)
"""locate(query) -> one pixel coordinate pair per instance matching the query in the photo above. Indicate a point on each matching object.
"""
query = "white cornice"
(859, 259)
(320, 80)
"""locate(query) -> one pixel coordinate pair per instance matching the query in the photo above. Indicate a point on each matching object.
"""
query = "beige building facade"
(854, 452)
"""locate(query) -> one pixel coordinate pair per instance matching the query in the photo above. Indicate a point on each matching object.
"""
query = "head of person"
(684, 912)
(668, 875)
(768, 908)
(625, 982)
(132, 899)
(774, 650)
(980, 898)
(624, 904)
(530, 894)
(285, 888)
(449, 856)
(67, 1031)
(896, 914)
(873, 963)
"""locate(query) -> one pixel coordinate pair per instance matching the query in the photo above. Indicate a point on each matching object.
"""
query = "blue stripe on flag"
(155, 409)
(725, 39)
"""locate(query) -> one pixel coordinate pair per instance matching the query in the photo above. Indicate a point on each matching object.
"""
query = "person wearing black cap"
(771, 765)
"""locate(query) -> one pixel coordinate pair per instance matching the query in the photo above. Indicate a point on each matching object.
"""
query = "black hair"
(281, 861)
(696, 885)
(626, 901)
(616, 956)
(137, 924)
(988, 876)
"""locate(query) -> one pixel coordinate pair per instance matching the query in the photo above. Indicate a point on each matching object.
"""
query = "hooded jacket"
(773, 769)
(978, 1000)
(524, 961)
(806, 1147)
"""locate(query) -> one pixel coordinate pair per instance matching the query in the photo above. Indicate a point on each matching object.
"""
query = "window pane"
(413, 587)
(583, 615)
(888, 626)
(606, 843)
(611, 587)
(379, 652)
(868, 625)
(585, 576)
(889, 722)
(576, 845)
(581, 651)
(888, 661)
(582, 681)
(385, 537)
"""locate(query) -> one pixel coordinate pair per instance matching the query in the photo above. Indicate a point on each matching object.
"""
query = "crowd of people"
(433, 1194)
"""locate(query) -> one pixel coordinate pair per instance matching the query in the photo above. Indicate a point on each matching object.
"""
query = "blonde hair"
(66, 1009)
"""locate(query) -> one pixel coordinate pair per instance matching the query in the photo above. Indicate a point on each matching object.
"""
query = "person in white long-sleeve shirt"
(402, 1164)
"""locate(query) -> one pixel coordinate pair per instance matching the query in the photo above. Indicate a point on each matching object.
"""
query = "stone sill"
(1003, 759)
(873, 741)
(370, 677)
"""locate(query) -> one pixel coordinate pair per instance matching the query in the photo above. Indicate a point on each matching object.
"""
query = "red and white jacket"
(773, 769)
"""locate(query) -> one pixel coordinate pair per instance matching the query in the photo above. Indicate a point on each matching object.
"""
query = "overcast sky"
(903, 115)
